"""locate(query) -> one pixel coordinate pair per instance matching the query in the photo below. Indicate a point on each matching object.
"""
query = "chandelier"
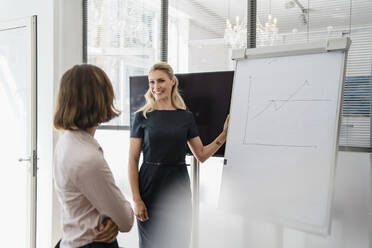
(236, 34)
(266, 35)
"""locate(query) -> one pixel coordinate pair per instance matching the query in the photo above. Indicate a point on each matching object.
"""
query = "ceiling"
(322, 13)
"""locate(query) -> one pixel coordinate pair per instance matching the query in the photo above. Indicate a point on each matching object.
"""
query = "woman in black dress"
(161, 189)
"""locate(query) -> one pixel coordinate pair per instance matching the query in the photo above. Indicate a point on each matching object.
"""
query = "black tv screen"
(206, 94)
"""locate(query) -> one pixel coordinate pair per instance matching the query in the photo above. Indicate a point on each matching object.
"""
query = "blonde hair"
(176, 97)
(85, 99)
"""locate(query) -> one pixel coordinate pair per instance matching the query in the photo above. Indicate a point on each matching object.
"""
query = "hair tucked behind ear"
(176, 98)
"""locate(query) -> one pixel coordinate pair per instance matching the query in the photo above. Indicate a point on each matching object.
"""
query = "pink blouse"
(86, 189)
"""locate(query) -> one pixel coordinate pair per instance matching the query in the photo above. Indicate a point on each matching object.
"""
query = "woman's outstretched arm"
(201, 152)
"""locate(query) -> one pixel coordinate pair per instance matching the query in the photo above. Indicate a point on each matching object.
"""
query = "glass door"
(18, 132)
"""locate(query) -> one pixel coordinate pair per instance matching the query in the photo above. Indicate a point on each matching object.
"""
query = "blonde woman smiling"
(161, 129)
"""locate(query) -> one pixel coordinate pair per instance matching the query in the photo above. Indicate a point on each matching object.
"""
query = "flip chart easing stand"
(281, 149)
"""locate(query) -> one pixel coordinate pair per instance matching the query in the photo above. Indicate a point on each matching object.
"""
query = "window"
(123, 40)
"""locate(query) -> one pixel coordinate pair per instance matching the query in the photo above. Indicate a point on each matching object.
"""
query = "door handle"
(24, 159)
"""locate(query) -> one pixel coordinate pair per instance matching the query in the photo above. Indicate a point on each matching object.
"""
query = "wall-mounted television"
(206, 94)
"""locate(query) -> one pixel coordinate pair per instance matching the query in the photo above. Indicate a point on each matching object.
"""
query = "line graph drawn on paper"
(272, 108)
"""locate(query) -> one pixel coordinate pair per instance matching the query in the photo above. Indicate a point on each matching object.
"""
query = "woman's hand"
(226, 125)
(108, 231)
(140, 211)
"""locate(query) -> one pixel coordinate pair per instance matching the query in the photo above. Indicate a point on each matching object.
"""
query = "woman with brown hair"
(161, 189)
(93, 207)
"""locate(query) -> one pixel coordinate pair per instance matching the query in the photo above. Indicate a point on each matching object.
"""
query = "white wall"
(209, 57)
(54, 55)
(207, 52)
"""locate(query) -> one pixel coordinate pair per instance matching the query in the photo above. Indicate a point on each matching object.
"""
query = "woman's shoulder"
(76, 149)
(80, 141)
(186, 115)
(187, 112)
(138, 113)
(139, 116)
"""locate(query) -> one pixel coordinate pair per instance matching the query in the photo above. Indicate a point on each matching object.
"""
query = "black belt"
(95, 245)
(166, 163)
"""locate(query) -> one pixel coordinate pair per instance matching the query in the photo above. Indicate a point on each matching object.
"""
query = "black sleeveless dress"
(164, 182)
